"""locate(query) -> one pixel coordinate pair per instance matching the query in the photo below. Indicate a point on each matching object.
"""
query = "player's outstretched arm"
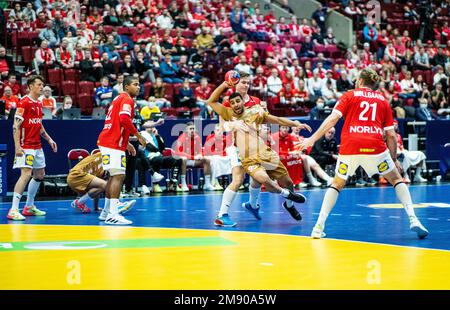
(282, 121)
(214, 98)
(329, 122)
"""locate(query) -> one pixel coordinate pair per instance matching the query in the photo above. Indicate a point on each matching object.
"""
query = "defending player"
(258, 160)
(30, 159)
(367, 114)
(112, 142)
(87, 179)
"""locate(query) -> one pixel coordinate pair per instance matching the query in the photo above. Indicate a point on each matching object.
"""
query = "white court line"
(432, 219)
(60, 209)
(355, 215)
(377, 216)
(161, 209)
(277, 212)
(394, 217)
(238, 211)
(181, 210)
(200, 210)
(336, 214)
(141, 209)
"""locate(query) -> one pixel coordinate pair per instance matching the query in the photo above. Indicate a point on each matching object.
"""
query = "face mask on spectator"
(320, 104)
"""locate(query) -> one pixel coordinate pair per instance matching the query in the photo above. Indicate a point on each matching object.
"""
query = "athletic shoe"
(156, 177)
(382, 180)
(217, 187)
(145, 190)
(80, 206)
(32, 211)
(419, 179)
(124, 207)
(15, 215)
(224, 221)
(255, 212)
(360, 182)
(317, 232)
(103, 215)
(417, 227)
(293, 212)
(157, 188)
(315, 183)
(371, 182)
(116, 219)
(295, 197)
(303, 185)
(208, 187)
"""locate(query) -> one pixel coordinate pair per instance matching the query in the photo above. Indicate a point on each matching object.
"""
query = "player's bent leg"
(117, 176)
(252, 206)
(329, 200)
(403, 194)
(286, 182)
(19, 188)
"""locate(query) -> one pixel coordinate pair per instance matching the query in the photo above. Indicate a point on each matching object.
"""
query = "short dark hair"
(188, 124)
(243, 74)
(234, 95)
(33, 78)
(129, 80)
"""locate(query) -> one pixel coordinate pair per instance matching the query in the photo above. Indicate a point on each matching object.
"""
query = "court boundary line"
(245, 232)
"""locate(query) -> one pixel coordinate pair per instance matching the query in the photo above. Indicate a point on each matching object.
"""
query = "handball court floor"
(173, 244)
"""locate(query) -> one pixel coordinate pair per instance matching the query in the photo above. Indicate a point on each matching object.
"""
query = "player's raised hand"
(53, 145)
(303, 126)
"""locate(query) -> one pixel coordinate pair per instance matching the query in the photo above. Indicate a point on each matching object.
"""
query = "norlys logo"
(34, 121)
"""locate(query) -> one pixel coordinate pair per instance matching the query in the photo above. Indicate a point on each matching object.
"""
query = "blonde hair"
(369, 78)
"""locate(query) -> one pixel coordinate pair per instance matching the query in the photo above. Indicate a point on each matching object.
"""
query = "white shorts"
(372, 164)
(233, 154)
(114, 161)
(34, 159)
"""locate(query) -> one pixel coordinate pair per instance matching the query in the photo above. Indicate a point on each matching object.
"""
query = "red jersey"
(188, 147)
(114, 135)
(30, 111)
(367, 113)
(248, 104)
(203, 93)
(282, 145)
(217, 147)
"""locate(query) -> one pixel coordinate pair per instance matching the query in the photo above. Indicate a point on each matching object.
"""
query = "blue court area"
(361, 214)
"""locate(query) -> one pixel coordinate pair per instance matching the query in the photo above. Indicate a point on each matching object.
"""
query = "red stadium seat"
(71, 75)
(147, 88)
(95, 151)
(27, 57)
(86, 103)
(76, 155)
(54, 77)
(86, 87)
(167, 152)
(69, 88)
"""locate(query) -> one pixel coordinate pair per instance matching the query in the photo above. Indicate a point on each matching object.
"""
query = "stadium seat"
(86, 103)
(27, 57)
(69, 88)
(54, 77)
(71, 75)
(76, 155)
(95, 151)
(86, 87)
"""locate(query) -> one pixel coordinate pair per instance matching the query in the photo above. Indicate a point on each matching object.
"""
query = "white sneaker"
(303, 185)
(117, 219)
(316, 183)
(317, 232)
(124, 207)
(103, 215)
(417, 227)
(156, 177)
(208, 187)
(145, 190)
(420, 179)
(184, 188)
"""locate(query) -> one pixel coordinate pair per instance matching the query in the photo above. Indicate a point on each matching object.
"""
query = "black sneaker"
(371, 182)
(293, 212)
(298, 198)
